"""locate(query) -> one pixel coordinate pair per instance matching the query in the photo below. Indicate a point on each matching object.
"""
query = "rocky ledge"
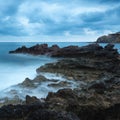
(67, 104)
(69, 51)
(39, 49)
(91, 63)
(111, 38)
(98, 99)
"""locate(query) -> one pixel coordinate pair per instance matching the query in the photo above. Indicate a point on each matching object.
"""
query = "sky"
(58, 20)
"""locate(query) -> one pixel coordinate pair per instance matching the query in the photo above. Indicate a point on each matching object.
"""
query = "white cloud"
(28, 27)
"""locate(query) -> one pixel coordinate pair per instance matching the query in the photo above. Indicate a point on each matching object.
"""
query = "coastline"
(97, 85)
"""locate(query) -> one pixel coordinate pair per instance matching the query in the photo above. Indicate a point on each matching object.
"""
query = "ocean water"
(14, 68)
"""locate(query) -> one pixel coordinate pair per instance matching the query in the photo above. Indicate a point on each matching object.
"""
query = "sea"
(14, 68)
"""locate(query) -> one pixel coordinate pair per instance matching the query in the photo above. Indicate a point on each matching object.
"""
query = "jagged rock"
(60, 84)
(93, 50)
(28, 83)
(41, 49)
(52, 115)
(97, 99)
(31, 100)
(34, 112)
(40, 78)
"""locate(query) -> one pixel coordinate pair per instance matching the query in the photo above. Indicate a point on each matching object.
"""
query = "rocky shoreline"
(97, 67)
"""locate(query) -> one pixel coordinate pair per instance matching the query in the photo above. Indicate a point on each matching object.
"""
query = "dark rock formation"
(67, 104)
(87, 105)
(28, 83)
(92, 62)
(97, 99)
(46, 113)
(93, 50)
(32, 100)
(60, 84)
(37, 49)
(111, 38)
(34, 112)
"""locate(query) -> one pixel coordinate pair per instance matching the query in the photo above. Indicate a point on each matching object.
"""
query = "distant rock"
(92, 50)
(38, 49)
(110, 38)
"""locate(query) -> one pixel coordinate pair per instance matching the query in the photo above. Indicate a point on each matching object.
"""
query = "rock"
(32, 100)
(97, 99)
(52, 115)
(54, 48)
(28, 83)
(109, 47)
(95, 105)
(63, 93)
(87, 69)
(66, 104)
(40, 78)
(60, 84)
(41, 49)
(98, 86)
(111, 38)
(33, 112)
(75, 51)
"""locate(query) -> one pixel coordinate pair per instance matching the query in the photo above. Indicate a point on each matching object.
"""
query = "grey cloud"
(59, 19)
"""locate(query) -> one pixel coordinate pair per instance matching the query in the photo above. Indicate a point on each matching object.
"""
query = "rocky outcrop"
(68, 104)
(33, 112)
(28, 83)
(86, 104)
(111, 38)
(91, 63)
(93, 50)
(41, 49)
(97, 99)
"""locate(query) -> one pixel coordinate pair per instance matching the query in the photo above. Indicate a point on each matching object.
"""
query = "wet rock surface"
(28, 83)
(89, 65)
(67, 104)
(97, 99)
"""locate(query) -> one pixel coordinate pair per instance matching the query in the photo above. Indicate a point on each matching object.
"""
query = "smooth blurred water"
(14, 68)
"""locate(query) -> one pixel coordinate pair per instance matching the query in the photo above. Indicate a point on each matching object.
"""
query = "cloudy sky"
(58, 20)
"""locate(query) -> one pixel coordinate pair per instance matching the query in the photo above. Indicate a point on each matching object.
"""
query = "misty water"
(14, 68)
